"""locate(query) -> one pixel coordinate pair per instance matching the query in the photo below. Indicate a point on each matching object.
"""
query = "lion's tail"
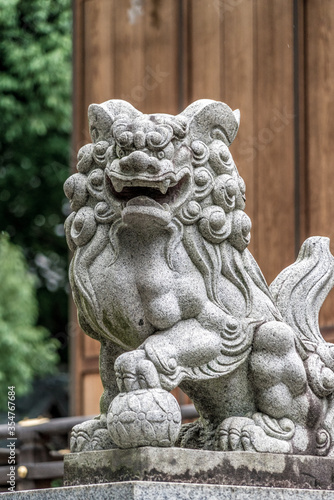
(300, 290)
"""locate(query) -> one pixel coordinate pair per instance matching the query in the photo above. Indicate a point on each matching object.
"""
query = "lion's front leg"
(177, 351)
(167, 357)
(145, 413)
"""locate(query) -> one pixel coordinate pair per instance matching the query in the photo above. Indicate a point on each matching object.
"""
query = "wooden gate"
(272, 59)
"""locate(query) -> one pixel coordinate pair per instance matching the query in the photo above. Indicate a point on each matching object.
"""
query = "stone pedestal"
(180, 474)
(175, 465)
(140, 490)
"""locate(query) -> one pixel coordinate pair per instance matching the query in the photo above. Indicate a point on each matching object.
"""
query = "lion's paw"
(232, 434)
(91, 435)
(245, 434)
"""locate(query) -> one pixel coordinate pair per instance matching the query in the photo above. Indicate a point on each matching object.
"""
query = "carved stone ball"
(146, 417)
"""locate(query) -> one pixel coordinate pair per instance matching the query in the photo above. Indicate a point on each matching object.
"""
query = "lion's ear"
(100, 123)
(210, 120)
(102, 116)
(236, 113)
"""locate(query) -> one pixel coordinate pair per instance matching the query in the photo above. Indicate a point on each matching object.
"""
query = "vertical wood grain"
(98, 46)
(237, 87)
(319, 103)
(274, 137)
(204, 50)
(320, 115)
(91, 347)
(128, 58)
(78, 84)
(300, 123)
(76, 359)
(161, 56)
(91, 392)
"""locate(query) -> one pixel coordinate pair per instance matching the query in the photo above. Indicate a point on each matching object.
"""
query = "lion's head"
(162, 166)
(173, 171)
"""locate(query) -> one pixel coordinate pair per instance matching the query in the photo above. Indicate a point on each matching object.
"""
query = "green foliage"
(26, 350)
(35, 110)
(35, 52)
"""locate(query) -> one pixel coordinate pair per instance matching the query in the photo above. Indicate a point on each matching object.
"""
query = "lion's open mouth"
(171, 190)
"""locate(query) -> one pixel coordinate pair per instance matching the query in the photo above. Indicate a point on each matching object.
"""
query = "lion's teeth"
(117, 184)
(164, 185)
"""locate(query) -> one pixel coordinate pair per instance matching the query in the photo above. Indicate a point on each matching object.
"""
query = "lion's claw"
(91, 435)
(243, 434)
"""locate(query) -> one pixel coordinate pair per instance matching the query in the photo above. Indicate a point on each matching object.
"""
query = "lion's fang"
(163, 186)
(118, 185)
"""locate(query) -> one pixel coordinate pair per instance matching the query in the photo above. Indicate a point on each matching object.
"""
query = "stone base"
(139, 490)
(175, 465)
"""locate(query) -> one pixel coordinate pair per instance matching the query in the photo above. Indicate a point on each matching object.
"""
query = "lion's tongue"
(143, 201)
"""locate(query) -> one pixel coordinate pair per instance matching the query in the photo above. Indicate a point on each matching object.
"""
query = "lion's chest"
(147, 290)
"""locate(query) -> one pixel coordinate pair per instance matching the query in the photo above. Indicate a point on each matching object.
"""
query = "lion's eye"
(120, 152)
(161, 155)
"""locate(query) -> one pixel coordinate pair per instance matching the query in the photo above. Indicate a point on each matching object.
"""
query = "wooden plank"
(237, 90)
(77, 141)
(184, 44)
(129, 55)
(301, 141)
(91, 392)
(204, 52)
(76, 359)
(222, 36)
(274, 139)
(319, 41)
(161, 57)
(78, 84)
(91, 347)
(328, 332)
(148, 39)
(98, 47)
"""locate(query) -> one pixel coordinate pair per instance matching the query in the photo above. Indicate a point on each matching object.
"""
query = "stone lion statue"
(162, 278)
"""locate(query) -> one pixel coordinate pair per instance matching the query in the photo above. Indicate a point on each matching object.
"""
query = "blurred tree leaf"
(35, 110)
(26, 350)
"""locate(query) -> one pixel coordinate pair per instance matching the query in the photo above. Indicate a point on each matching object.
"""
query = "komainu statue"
(162, 278)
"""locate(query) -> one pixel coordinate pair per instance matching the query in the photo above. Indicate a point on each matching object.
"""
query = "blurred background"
(274, 60)
(35, 131)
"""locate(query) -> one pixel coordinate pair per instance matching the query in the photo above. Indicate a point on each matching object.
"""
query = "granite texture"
(199, 466)
(168, 491)
(162, 277)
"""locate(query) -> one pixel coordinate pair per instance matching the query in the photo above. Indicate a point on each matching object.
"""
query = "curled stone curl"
(83, 226)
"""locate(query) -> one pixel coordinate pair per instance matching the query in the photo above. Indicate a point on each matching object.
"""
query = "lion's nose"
(139, 162)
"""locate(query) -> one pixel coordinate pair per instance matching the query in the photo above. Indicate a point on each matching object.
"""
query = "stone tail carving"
(300, 290)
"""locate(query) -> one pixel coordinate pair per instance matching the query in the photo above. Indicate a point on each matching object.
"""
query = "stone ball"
(146, 417)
